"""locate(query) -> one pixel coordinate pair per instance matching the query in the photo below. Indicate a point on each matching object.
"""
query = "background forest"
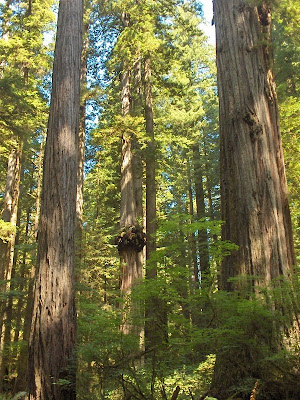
(149, 93)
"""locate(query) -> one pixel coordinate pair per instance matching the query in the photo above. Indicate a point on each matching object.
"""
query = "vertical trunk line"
(7, 248)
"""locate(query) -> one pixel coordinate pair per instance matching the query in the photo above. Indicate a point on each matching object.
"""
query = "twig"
(204, 395)
(191, 394)
(175, 393)
(254, 391)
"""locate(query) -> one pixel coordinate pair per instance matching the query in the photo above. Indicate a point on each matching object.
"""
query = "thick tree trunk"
(254, 202)
(253, 185)
(131, 257)
(53, 328)
(81, 146)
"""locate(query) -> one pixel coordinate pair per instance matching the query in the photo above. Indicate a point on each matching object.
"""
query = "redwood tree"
(254, 201)
(253, 184)
(53, 329)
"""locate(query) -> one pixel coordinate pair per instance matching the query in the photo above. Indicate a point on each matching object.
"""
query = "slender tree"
(200, 203)
(155, 327)
(7, 248)
(53, 329)
(254, 202)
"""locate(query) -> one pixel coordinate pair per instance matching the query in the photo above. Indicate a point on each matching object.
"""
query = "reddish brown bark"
(53, 328)
(253, 184)
(131, 211)
(254, 201)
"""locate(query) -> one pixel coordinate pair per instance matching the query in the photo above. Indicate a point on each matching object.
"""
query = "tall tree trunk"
(254, 202)
(130, 255)
(150, 169)
(254, 198)
(53, 328)
(10, 211)
(200, 203)
(130, 209)
(81, 140)
(22, 364)
(192, 238)
(155, 326)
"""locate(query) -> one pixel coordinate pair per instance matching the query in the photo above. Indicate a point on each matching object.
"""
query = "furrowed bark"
(254, 200)
(53, 328)
(131, 257)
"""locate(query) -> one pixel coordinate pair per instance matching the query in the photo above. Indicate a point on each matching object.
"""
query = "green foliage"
(202, 322)
(18, 396)
(6, 231)
(287, 72)
(239, 325)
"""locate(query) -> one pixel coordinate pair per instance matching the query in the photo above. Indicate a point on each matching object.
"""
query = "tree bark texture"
(130, 258)
(81, 143)
(53, 327)
(254, 201)
(131, 203)
(22, 363)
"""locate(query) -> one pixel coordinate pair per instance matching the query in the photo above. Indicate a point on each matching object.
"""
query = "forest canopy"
(149, 198)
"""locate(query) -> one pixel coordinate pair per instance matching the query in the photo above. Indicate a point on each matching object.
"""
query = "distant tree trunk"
(192, 237)
(131, 256)
(156, 324)
(10, 211)
(150, 167)
(53, 328)
(21, 365)
(131, 207)
(9, 214)
(254, 202)
(200, 203)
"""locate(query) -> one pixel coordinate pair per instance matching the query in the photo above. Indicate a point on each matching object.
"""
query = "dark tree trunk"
(10, 211)
(192, 237)
(253, 185)
(254, 202)
(53, 327)
(150, 166)
(22, 364)
(200, 203)
(155, 326)
(81, 145)
(131, 211)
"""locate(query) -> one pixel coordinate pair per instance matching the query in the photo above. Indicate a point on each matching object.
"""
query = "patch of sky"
(207, 25)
